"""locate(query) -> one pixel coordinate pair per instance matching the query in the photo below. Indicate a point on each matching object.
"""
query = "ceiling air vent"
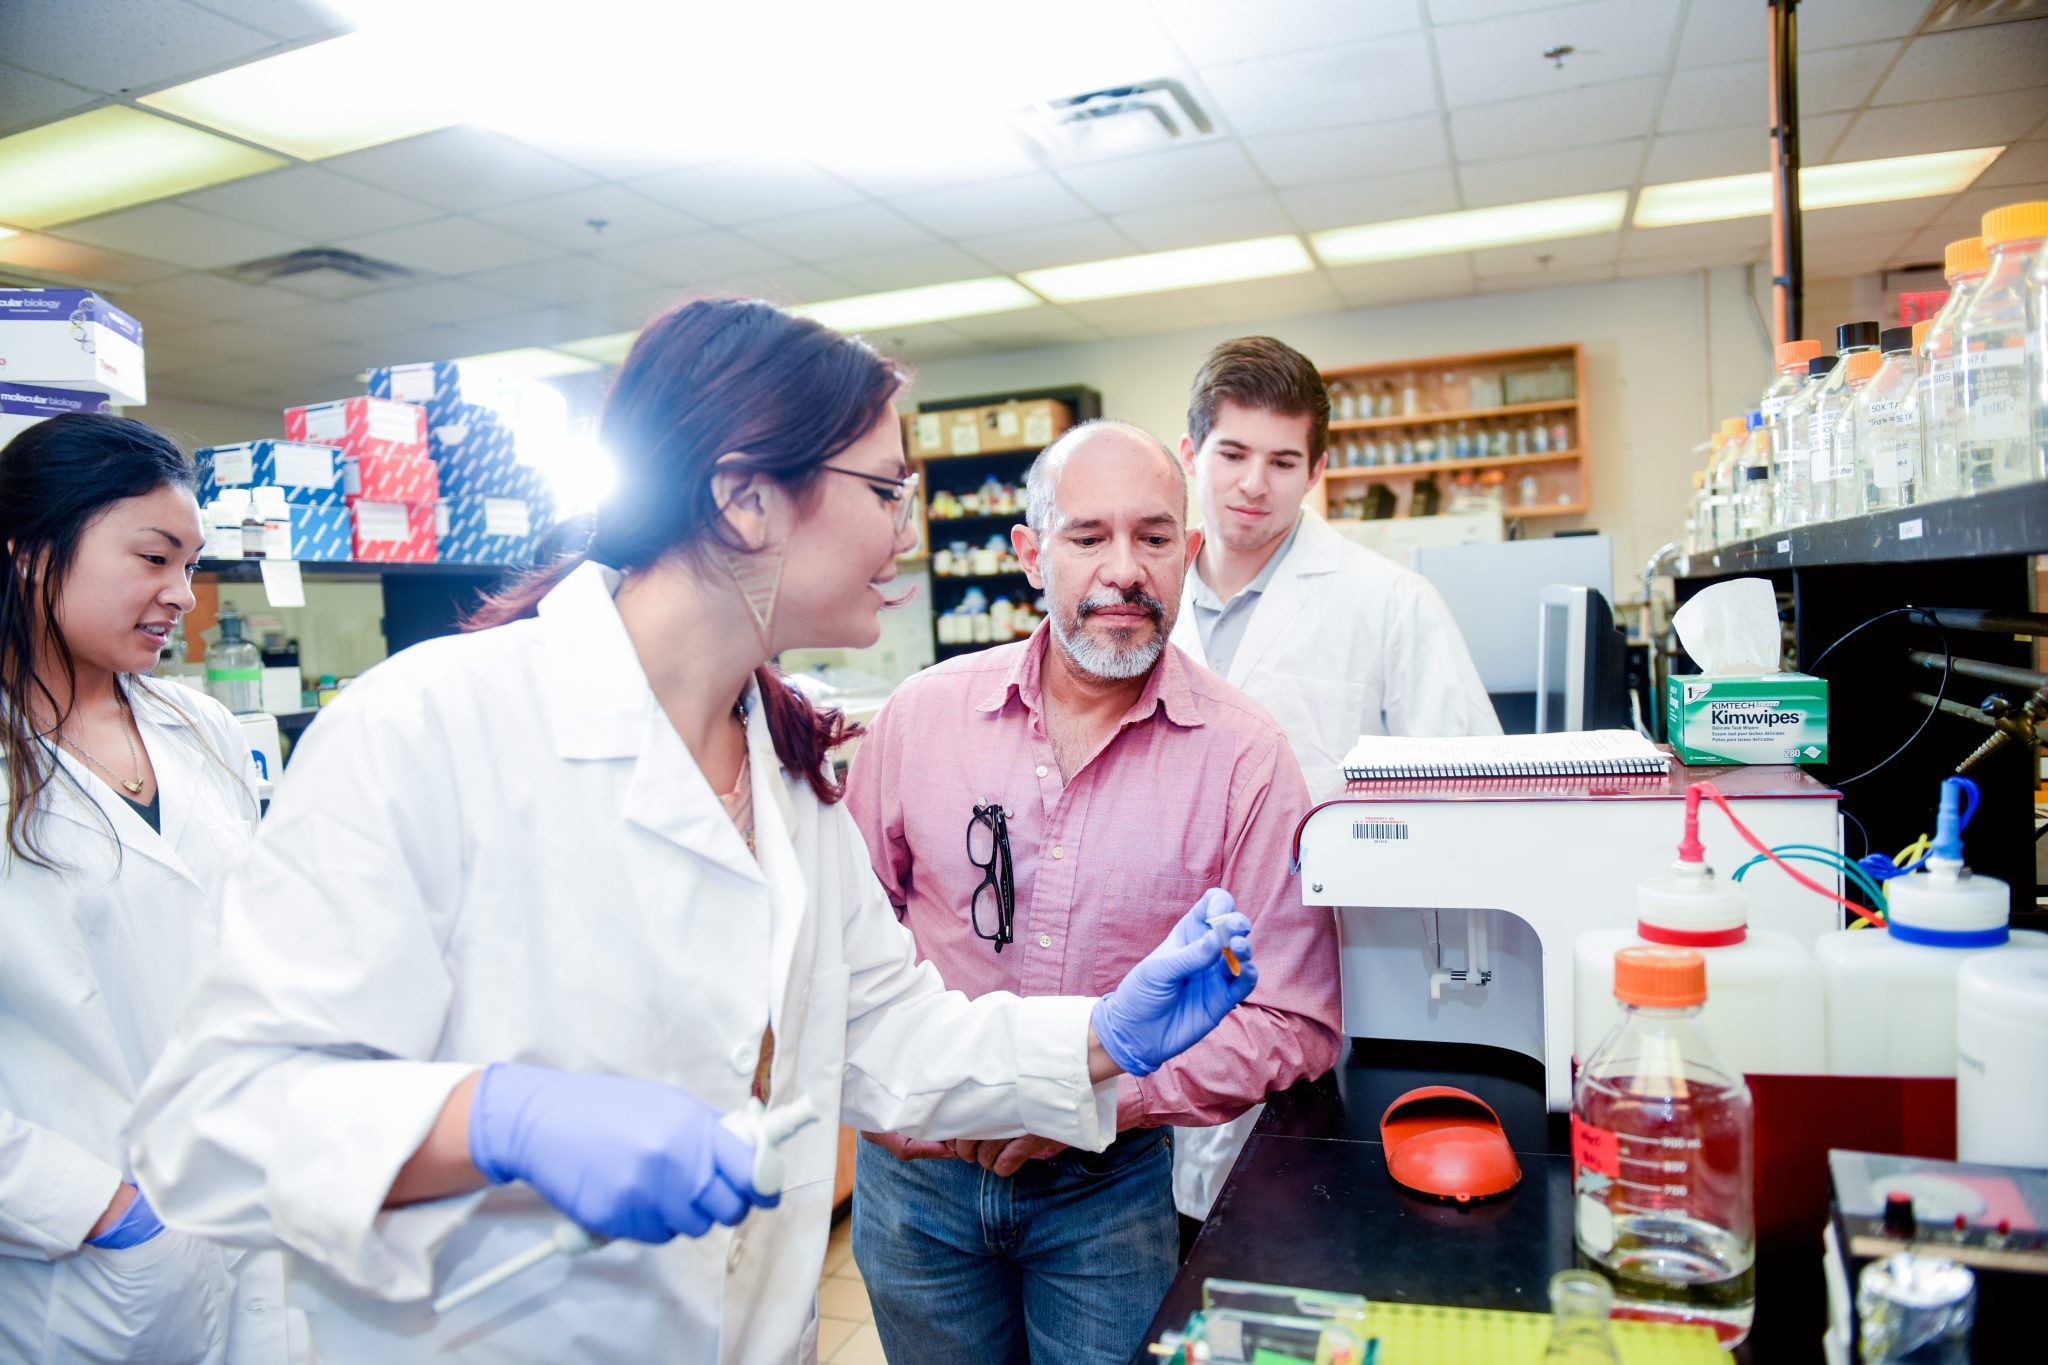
(322, 270)
(1115, 122)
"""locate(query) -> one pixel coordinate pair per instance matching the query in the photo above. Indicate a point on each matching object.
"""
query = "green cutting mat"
(1427, 1334)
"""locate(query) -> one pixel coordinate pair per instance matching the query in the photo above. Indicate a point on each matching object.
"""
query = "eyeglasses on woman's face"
(900, 492)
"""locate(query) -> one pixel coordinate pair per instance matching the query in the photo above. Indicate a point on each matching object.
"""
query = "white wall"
(1666, 357)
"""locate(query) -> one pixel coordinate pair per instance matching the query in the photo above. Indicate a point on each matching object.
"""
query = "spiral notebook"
(1570, 754)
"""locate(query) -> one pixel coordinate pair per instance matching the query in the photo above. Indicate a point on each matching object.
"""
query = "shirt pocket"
(1140, 913)
(161, 1303)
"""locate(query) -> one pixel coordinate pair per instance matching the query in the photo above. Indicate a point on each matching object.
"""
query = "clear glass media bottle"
(1662, 1147)
(1722, 479)
(1831, 493)
(1887, 426)
(2037, 349)
(234, 670)
(1940, 469)
(1790, 447)
(1994, 441)
(1753, 493)
(1791, 358)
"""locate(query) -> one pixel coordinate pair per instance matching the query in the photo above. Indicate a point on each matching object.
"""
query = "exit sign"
(1920, 304)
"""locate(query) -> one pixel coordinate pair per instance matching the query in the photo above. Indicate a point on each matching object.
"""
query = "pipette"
(767, 1129)
(1229, 958)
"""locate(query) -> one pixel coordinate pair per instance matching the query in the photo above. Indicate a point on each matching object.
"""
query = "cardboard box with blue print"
(70, 338)
(479, 530)
(318, 535)
(310, 475)
(24, 405)
(482, 427)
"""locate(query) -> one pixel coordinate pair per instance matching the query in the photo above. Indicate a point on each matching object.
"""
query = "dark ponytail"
(56, 478)
(709, 378)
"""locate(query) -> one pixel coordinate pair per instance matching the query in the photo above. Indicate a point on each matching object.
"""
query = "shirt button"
(1045, 940)
(1058, 852)
(254, 1308)
(744, 1056)
(1041, 770)
(732, 1254)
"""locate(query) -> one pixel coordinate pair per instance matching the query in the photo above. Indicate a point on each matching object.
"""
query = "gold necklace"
(127, 733)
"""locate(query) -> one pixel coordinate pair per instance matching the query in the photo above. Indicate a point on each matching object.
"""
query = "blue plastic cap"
(1952, 816)
(1755, 420)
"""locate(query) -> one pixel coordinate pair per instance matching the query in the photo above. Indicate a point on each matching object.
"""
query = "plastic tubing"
(1802, 853)
(1712, 793)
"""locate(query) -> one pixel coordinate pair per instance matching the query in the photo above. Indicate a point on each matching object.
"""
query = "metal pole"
(1788, 265)
(2029, 623)
(2002, 674)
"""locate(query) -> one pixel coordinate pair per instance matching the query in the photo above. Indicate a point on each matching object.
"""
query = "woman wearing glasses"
(536, 906)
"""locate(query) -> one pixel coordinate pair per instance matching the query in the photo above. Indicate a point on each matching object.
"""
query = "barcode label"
(1381, 830)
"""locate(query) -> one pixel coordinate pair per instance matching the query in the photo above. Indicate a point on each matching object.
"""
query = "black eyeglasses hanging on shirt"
(988, 848)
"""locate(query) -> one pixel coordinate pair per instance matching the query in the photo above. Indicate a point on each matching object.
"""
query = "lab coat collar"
(1166, 688)
(168, 736)
(601, 707)
(1317, 549)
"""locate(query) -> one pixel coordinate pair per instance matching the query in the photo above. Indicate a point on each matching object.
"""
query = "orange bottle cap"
(1790, 353)
(1732, 427)
(1662, 978)
(1965, 257)
(1920, 332)
(2015, 223)
(1863, 364)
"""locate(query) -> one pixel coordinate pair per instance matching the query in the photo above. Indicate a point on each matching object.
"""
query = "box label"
(398, 423)
(966, 438)
(234, 466)
(327, 423)
(383, 522)
(412, 383)
(507, 517)
(928, 433)
(304, 466)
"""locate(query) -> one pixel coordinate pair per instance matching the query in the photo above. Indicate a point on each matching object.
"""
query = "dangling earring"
(759, 577)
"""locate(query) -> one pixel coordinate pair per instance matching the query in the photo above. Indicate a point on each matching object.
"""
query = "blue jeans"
(1063, 1263)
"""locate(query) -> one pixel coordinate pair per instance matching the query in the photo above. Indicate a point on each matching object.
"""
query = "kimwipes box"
(1756, 718)
(70, 338)
(361, 426)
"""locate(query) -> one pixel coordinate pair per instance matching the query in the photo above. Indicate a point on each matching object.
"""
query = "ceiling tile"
(1211, 31)
(787, 285)
(27, 98)
(281, 18)
(749, 188)
(1944, 125)
(173, 357)
(1292, 159)
(693, 258)
(1545, 279)
(1840, 78)
(209, 298)
(326, 283)
(444, 301)
(89, 265)
(1160, 310)
(1963, 215)
(1820, 135)
(1529, 259)
(1549, 123)
(336, 320)
(1372, 201)
(448, 246)
(1704, 156)
(997, 158)
(1092, 239)
(1387, 278)
(855, 230)
(1714, 34)
(1501, 58)
(937, 263)
(566, 220)
(1030, 327)
(129, 47)
(563, 279)
(461, 169)
(1465, 11)
(1901, 218)
(187, 237)
(1701, 97)
(311, 203)
(928, 342)
(2020, 164)
(1183, 175)
(1023, 201)
(1553, 176)
(1272, 298)
(1696, 239)
(1369, 82)
(1225, 220)
(245, 340)
(1971, 61)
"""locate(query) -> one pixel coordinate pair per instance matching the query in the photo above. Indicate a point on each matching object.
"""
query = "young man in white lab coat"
(1332, 639)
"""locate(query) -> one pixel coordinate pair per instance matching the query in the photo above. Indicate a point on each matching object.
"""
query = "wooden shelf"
(1413, 471)
(1563, 509)
(246, 570)
(1465, 361)
(1002, 576)
(1430, 419)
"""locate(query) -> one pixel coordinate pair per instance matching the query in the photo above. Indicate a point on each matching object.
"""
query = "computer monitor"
(1492, 593)
(1581, 663)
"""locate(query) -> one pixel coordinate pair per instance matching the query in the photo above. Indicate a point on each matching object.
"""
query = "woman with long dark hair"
(126, 801)
(536, 906)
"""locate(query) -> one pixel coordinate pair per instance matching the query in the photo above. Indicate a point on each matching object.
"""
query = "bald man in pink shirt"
(1040, 813)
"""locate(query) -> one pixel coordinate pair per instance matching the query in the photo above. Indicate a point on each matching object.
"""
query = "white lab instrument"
(259, 733)
(2001, 1079)
(766, 1129)
(1459, 900)
(1492, 592)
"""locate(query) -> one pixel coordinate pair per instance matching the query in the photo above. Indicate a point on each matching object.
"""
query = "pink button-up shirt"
(1195, 788)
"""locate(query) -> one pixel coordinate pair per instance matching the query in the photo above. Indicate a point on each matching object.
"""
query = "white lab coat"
(496, 848)
(1343, 642)
(95, 962)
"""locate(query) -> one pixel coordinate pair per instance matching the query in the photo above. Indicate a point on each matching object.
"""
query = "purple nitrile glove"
(136, 1225)
(622, 1157)
(1180, 990)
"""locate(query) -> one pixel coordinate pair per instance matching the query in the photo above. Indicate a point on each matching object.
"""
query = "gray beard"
(1112, 663)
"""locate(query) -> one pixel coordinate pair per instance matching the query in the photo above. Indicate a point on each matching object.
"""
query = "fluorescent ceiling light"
(109, 159)
(6, 232)
(1225, 263)
(531, 362)
(1438, 234)
(609, 349)
(926, 303)
(1820, 187)
(342, 95)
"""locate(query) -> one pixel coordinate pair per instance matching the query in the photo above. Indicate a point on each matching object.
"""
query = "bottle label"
(1773, 406)
(1595, 1150)
(1938, 390)
(214, 675)
(1994, 396)
(1818, 446)
(1894, 443)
